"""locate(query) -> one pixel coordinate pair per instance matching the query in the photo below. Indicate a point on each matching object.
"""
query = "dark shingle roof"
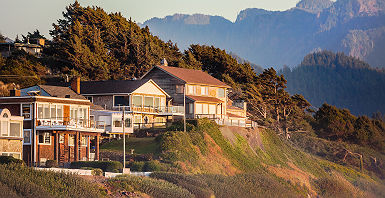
(193, 76)
(61, 92)
(110, 86)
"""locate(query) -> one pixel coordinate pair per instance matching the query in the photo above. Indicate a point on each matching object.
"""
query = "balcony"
(68, 123)
(166, 111)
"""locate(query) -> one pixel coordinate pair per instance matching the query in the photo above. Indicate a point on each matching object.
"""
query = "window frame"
(30, 136)
(142, 101)
(128, 100)
(224, 93)
(18, 153)
(30, 111)
(153, 100)
(44, 138)
(20, 128)
(69, 140)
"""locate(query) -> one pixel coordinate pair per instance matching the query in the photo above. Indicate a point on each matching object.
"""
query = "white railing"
(71, 122)
(151, 109)
(225, 121)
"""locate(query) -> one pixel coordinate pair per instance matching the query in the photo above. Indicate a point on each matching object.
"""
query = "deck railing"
(152, 109)
(71, 122)
(225, 120)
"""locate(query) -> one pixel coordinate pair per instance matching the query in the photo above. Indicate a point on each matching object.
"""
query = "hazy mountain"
(339, 80)
(273, 38)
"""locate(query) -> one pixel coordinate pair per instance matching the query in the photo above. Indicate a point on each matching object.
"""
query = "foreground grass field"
(20, 181)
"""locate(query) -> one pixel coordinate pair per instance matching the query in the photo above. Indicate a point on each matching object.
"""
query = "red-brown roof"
(204, 99)
(193, 76)
(234, 108)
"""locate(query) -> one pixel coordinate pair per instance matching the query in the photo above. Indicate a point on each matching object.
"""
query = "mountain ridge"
(355, 27)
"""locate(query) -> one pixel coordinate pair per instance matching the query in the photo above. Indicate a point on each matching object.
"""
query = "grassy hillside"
(229, 162)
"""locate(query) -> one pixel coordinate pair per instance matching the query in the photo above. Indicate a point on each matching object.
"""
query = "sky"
(22, 16)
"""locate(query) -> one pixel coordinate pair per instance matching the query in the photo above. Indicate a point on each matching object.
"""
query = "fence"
(153, 109)
(69, 121)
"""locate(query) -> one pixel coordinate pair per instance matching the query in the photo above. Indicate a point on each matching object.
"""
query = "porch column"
(97, 147)
(88, 148)
(76, 157)
(57, 146)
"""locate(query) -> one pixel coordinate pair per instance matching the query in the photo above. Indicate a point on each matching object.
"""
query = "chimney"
(14, 92)
(75, 85)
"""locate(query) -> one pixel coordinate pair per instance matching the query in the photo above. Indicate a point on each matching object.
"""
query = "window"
(117, 122)
(205, 109)
(53, 111)
(198, 108)
(157, 102)
(59, 112)
(179, 89)
(121, 101)
(4, 128)
(90, 98)
(191, 108)
(71, 140)
(190, 89)
(61, 138)
(5, 115)
(14, 155)
(221, 93)
(26, 111)
(40, 111)
(162, 102)
(205, 91)
(27, 136)
(137, 101)
(146, 120)
(45, 138)
(212, 109)
(149, 101)
(137, 119)
(84, 140)
(15, 129)
(46, 111)
(127, 122)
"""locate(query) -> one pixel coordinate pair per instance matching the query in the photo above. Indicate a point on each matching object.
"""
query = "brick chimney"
(14, 92)
(75, 85)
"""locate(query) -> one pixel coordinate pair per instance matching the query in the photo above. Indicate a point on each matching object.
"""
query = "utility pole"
(184, 107)
(124, 141)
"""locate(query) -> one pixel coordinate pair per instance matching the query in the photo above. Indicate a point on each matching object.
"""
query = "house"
(143, 99)
(203, 95)
(57, 124)
(34, 48)
(11, 136)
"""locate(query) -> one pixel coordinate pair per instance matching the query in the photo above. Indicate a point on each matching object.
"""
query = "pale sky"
(22, 16)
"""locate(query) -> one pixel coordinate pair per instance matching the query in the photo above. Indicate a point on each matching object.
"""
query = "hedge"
(10, 160)
(106, 166)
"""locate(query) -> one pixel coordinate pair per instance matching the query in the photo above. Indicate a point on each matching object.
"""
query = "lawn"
(141, 145)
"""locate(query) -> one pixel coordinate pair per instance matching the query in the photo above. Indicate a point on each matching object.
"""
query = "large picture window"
(121, 101)
(15, 129)
(157, 102)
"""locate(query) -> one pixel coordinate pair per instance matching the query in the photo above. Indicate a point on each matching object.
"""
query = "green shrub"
(10, 160)
(51, 163)
(97, 172)
(153, 165)
(136, 166)
(106, 166)
(153, 187)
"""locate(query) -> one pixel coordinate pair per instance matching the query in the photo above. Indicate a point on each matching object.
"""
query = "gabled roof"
(204, 99)
(192, 76)
(55, 91)
(113, 87)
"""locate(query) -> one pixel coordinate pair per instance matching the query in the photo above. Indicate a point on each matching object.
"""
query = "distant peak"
(314, 5)
(251, 12)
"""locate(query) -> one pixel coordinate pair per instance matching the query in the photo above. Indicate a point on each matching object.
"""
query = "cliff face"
(271, 38)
